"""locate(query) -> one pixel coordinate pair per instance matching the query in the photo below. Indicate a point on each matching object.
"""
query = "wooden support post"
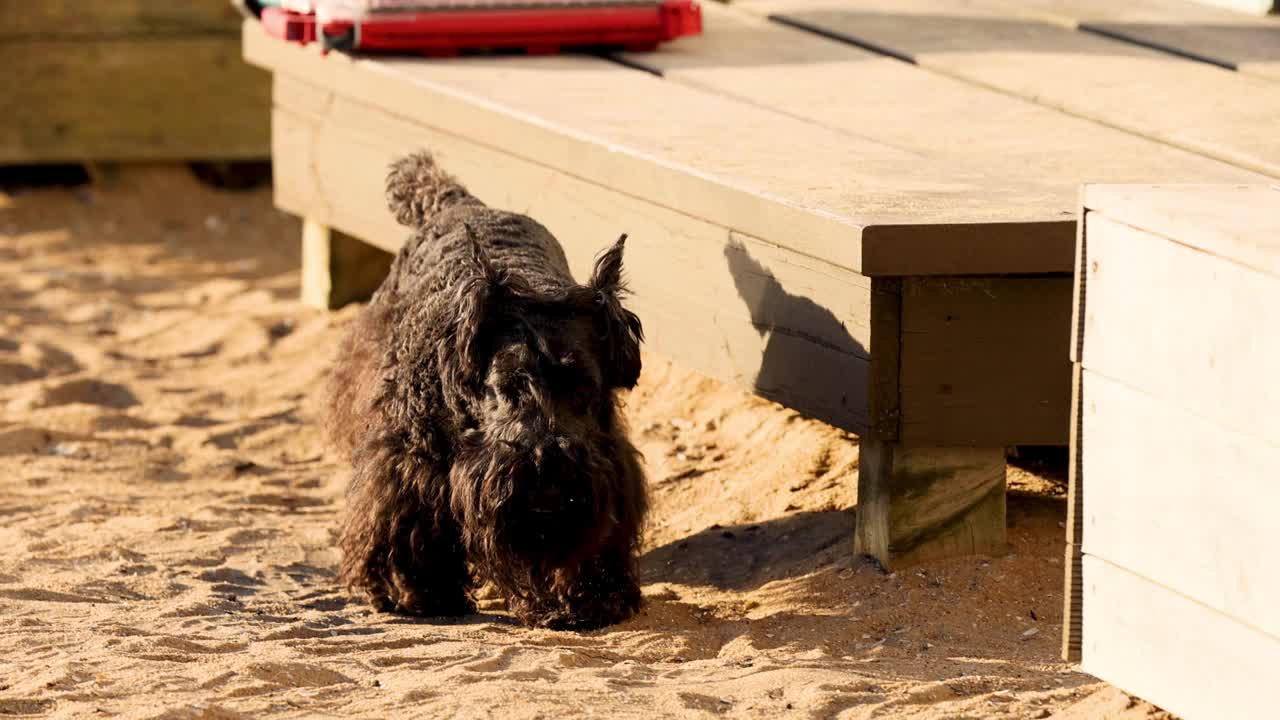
(961, 369)
(338, 269)
(917, 504)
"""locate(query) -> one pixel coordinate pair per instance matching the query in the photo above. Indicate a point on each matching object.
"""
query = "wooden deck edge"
(682, 189)
(1014, 247)
(990, 249)
(716, 301)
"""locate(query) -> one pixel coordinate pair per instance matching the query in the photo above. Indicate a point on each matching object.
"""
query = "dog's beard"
(544, 508)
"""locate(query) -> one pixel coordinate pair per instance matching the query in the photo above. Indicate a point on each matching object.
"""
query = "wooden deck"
(884, 245)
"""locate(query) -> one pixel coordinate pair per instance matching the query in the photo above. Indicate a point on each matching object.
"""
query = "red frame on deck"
(538, 29)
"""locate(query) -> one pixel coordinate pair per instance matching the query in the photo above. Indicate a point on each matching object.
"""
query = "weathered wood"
(338, 269)
(789, 327)
(1190, 328)
(1204, 109)
(146, 98)
(96, 18)
(1240, 223)
(1196, 30)
(764, 179)
(1073, 583)
(862, 94)
(1158, 644)
(1177, 447)
(1183, 501)
(984, 361)
(919, 503)
(885, 399)
(1073, 555)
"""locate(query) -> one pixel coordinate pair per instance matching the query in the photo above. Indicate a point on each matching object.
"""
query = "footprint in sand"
(12, 373)
(186, 334)
(24, 706)
(229, 582)
(37, 595)
(24, 440)
(87, 391)
(49, 359)
(296, 674)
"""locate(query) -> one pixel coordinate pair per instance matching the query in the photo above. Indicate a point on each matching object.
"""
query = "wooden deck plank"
(146, 98)
(1250, 44)
(1240, 223)
(1195, 359)
(1174, 498)
(734, 164)
(862, 94)
(1211, 666)
(1191, 105)
(791, 328)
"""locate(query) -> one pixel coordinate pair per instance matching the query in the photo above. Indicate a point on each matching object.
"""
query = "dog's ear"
(620, 329)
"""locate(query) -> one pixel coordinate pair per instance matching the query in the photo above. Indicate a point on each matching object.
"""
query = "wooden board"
(917, 504)
(1248, 44)
(1182, 501)
(147, 98)
(1073, 555)
(1191, 660)
(1073, 584)
(806, 187)
(1240, 223)
(862, 94)
(1257, 7)
(984, 361)
(1190, 328)
(791, 328)
(98, 18)
(1208, 110)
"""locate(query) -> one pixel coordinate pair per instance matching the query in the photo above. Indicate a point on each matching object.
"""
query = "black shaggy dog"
(476, 398)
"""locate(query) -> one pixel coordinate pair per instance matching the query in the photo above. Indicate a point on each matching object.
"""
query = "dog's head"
(541, 470)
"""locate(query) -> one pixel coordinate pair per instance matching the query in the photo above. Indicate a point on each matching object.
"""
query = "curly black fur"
(476, 398)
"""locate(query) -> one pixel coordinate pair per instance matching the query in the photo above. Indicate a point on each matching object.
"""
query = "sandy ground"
(167, 507)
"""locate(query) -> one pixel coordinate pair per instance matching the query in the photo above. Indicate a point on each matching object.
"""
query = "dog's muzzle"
(548, 502)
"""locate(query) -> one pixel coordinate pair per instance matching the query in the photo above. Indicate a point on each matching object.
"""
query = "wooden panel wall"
(121, 80)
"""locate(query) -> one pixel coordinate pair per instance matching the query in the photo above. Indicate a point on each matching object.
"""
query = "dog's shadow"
(803, 340)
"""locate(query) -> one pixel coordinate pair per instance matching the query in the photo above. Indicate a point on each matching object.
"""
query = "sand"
(168, 504)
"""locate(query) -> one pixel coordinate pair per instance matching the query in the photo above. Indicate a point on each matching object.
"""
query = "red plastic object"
(537, 28)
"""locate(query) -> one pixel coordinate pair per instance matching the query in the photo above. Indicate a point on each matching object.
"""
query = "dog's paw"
(419, 605)
(587, 614)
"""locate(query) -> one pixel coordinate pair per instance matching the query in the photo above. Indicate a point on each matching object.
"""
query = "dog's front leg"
(400, 544)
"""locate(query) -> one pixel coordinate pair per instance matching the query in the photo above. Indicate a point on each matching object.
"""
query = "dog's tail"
(417, 189)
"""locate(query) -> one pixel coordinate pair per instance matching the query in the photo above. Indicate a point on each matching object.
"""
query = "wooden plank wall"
(1178, 447)
(121, 80)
